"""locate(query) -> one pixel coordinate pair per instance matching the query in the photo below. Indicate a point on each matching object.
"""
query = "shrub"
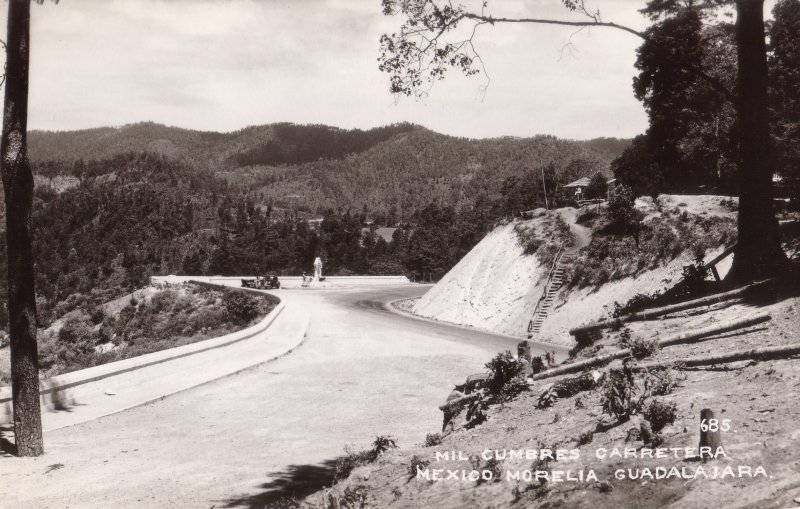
(660, 382)
(585, 339)
(476, 412)
(619, 392)
(381, 444)
(537, 365)
(621, 212)
(642, 347)
(625, 337)
(495, 466)
(240, 307)
(433, 439)
(77, 331)
(506, 376)
(660, 414)
(163, 300)
(98, 315)
(597, 187)
(416, 462)
(636, 303)
(347, 463)
(544, 237)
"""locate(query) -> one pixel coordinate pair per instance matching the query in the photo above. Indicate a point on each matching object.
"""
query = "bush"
(660, 414)
(433, 439)
(77, 331)
(642, 348)
(660, 382)
(619, 393)
(621, 212)
(636, 303)
(416, 462)
(543, 237)
(347, 463)
(505, 376)
(611, 256)
(163, 300)
(381, 444)
(240, 307)
(597, 187)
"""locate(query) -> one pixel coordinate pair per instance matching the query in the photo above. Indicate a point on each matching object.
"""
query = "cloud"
(224, 64)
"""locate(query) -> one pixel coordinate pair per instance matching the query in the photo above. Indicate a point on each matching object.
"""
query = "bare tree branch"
(403, 56)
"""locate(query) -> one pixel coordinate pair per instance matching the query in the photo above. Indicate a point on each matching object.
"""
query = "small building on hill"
(577, 190)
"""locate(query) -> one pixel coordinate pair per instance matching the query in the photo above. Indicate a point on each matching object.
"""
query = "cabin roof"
(578, 183)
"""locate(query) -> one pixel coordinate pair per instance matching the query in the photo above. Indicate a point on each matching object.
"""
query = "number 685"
(714, 425)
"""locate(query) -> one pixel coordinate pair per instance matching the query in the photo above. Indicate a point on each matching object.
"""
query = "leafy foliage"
(597, 187)
(240, 307)
(613, 256)
(643, 347)
(659, 414)
(169, 318)
(382, 443)
(621, 212)
(506, 378)
(784, 89)
(433, 439)
(620, 395)
(416, 463)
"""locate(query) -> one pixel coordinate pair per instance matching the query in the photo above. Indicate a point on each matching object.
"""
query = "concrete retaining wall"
(95, 373)
(290, 281)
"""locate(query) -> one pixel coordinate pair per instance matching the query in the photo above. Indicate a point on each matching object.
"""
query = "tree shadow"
(7, 447)
(294, 483)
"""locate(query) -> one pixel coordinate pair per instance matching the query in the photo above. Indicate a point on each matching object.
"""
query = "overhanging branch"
(712, 81)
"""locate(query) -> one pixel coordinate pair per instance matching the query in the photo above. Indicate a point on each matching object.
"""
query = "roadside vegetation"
(625, 244)
(90, 335)
(544, 237)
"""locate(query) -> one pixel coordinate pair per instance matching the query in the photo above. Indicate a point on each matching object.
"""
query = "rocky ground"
(760, 467)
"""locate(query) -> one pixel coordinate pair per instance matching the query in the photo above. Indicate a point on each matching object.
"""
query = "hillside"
(400, 168)
(496, 286)
(615, 433)
(115, 205)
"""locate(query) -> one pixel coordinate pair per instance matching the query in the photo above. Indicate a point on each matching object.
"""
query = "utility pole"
(544, 186)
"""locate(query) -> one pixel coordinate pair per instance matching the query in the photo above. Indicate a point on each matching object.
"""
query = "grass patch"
(544, 236)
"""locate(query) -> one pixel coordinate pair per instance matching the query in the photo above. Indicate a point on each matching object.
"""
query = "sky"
(225, 64)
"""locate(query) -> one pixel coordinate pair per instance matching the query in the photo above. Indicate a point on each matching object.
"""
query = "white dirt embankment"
(494, 287)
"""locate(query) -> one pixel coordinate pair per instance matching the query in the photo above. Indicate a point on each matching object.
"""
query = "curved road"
(363, 371)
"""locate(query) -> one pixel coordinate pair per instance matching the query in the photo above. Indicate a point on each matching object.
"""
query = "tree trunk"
(710, 434)
(758, 249)
(18, 186)
(674, 339)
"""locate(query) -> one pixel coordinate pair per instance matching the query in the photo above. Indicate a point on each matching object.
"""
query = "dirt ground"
(757, 400)
(239, 442)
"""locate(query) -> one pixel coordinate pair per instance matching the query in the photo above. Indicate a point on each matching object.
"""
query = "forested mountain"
(114, 206)
(313, 168)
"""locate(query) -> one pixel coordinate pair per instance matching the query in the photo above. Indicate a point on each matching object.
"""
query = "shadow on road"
(7, 447)
(293, 484)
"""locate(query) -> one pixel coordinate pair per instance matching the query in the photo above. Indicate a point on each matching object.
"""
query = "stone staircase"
(555, 280)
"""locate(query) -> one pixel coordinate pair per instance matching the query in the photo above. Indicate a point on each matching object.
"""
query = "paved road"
(362, 371)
